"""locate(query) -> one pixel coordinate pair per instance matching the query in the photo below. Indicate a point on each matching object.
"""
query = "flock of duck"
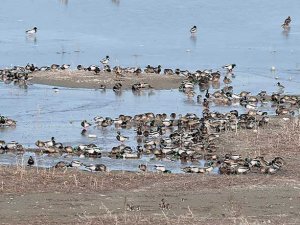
(175, 137)
(188, 138)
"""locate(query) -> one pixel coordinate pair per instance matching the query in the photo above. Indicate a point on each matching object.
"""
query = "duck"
(85, 124)
(49, 143)
(80, 67)
(31, 31)
(54, 66)
(68, 149)
(76, 163)
(193, 30)
(117, 87)
(160, 168)
(105, 60)
(2, 144)
(280, 85)
(65, 66)
(229, 67)
(12, 145)
(62, 164)
(286, 22)
(30, 161)
(121, 137)
(100, 168)
(143, 167)
(97, 167)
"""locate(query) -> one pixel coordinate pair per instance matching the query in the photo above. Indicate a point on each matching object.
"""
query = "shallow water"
(247, 33)
(41, 112)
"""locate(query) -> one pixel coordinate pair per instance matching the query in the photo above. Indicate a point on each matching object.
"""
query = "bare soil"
(52, 196)
(88, 79)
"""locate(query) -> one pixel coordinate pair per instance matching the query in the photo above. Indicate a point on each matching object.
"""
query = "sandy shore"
(86, 79)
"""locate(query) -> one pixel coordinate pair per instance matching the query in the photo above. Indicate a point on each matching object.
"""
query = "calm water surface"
(135, 32)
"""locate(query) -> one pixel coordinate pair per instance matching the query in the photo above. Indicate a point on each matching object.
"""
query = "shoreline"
(90, 80)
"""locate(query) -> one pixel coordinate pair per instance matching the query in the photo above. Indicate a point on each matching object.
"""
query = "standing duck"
(30, 161)
(105, 60)
(121, 137)
(193, 30)
(286, 23)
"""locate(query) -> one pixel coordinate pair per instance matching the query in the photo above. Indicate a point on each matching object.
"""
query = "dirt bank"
(86, 79)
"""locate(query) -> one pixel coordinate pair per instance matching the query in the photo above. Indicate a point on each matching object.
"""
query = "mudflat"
(88, 79)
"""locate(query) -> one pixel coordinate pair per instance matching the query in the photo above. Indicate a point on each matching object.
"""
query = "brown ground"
(86, 79)
(39, 196)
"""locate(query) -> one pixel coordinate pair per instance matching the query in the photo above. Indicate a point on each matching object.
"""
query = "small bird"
(31, 31)
(286, 22)
(229, 67)
(65, 66)
(280, 85)
(85, 124)
(30, 161)
(143, 167)
(105, 60)
(121, 137)
(193, 30)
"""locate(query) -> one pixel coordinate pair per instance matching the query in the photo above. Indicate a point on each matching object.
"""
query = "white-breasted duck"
(121, 137)
(76, 163)
(85, 124)
(65, 66)
(31, 31)
(193, 30)
(105, 60)
(229, 67)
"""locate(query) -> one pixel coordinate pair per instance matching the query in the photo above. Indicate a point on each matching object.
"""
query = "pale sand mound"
(87, 79)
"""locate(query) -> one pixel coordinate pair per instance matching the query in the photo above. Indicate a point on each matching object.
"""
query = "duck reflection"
(31, 39)
(64, 2)
(286, 32)
(116, 2)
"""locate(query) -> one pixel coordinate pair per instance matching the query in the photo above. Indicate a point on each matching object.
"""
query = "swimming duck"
(117, 87)
(229, 67)
(280, 85)
(121, 137)
(31, 31)
(30, 161)
(193, 30)
(85, 124)
(105, 60)
(286, 22)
